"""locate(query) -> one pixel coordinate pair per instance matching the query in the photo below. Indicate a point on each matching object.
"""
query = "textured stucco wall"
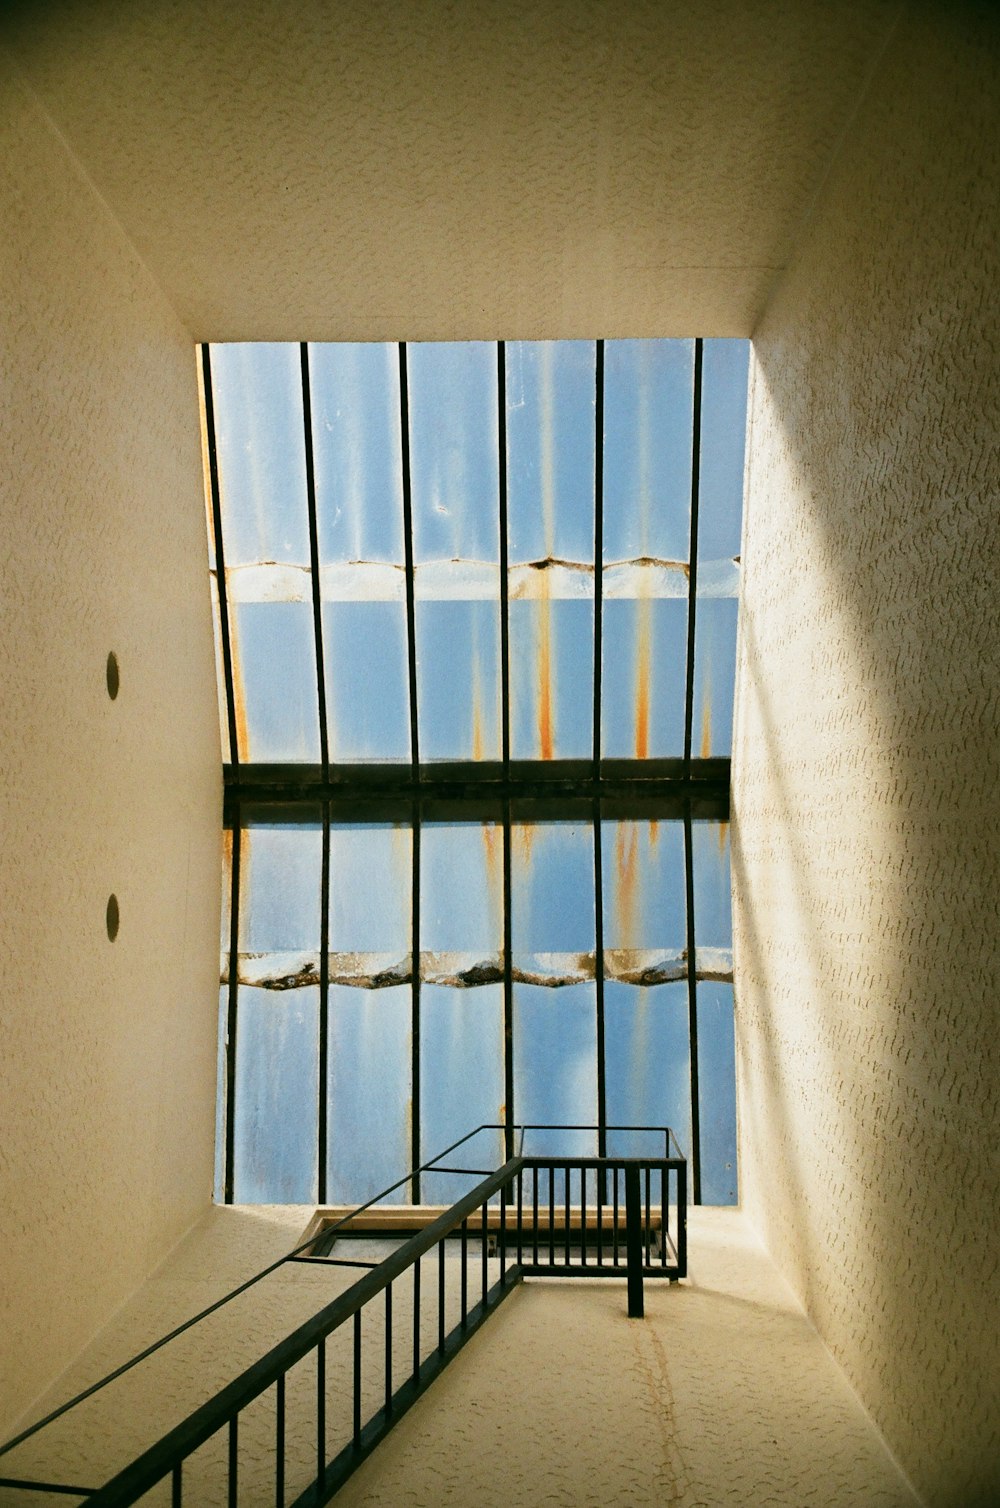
(723, 1395)
(866, 766)
(438, 171)
(106, 1049)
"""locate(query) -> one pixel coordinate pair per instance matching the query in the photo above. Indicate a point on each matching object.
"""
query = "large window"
(476, 615)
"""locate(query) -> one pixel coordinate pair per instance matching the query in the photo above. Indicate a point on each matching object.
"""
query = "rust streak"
(642, 667)
(626, 889)
(545, 675)
(477, 713)
(547, 481)
(706, 725)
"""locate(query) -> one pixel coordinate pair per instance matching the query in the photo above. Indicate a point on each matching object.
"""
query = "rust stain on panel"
(642, 678)
(544, 712)
(706, 724)
(626, 897)
(477, 711)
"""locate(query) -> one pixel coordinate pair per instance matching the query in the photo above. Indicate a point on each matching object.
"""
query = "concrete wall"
(107, 1049)
(866, 767)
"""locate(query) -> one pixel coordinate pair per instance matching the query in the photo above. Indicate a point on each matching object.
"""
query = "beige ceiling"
(421, 169)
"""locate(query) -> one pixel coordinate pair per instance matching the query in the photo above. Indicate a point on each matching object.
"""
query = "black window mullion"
(324, 746)
(324, 1009)
(602, 1110)
(508, 986)
(692, 986)
(692, 983)
(411, 656)
(231, 1012)
(220, 554)
(693, 557)
(411, 634)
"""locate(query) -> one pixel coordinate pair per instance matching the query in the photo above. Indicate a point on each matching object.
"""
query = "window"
(476, 614)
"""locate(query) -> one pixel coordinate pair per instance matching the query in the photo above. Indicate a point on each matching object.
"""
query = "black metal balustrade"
(561, 1216)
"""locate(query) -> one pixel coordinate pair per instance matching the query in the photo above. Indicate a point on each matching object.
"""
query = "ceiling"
(423, 170)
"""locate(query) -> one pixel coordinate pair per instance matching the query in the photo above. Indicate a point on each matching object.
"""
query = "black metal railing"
(320, 1401)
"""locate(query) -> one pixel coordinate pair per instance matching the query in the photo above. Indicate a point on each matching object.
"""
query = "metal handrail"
(154, 1464)
(265, 1272)
(167, 1455)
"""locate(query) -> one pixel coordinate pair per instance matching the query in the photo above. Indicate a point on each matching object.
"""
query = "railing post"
(633, 1240)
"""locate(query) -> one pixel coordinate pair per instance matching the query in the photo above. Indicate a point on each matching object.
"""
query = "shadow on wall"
(866, 770)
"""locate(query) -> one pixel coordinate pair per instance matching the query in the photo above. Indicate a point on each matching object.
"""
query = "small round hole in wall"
(113, 679)
(112, 917)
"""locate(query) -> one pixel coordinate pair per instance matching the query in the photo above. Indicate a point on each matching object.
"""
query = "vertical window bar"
(504, 585)
(220, 557)
(508, 987)
(693, 557)
(324, 743)
(176, 1486)
(692, 985)
(234, 993)
(688, 723)
(411, 636)
(602, 1116)
(411, 653)
(415, 1009)
(324, 1004)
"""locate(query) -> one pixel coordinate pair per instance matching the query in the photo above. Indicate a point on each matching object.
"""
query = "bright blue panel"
(717, 1093)
(555, 1065)
(642, 701)
(357, 452)
(280, 871)
(277, 1099)
(371, 879)
(453, 451)
(552, 888)
(648, 394)
(461, 1082)
(368, 1106)
(367, 681)
(552, 679)
(550, 450)
(713, 908)
(461, 888)
(260, 436)
(274, 653)
(458, 679)
(714, 676)
(643, 884)
(723, 431)
(647, 1064)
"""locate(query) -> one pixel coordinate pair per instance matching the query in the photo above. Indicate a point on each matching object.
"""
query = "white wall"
(106, 1049)
(866, 769)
